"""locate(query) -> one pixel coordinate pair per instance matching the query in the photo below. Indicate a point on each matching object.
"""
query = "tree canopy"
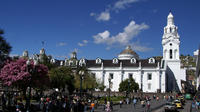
(62, 76)
(89, 81)
(5, 48)
(16, 73)
(132, 85)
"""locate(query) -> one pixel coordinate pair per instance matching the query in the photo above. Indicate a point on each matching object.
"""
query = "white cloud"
(92, 14)
(62, 44)
(83, 43)
(122, 38)
(122, 4)
(118, 5)
(104, 16)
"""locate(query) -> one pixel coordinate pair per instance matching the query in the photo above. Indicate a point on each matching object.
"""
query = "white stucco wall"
(140, 76)
(175, 70)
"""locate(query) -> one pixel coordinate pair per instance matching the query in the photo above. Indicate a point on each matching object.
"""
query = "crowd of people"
(55, 102)
(74, 103)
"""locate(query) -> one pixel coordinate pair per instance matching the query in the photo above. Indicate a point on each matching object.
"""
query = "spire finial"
(128, 47)
(42, 44)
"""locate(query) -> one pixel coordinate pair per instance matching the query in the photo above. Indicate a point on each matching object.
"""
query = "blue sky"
(97, 28)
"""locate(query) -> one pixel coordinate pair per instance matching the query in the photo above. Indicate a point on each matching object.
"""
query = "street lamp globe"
(81, 72)
(36, 62)
(28, 62)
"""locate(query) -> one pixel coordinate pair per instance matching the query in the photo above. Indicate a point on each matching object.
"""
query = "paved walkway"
(187, 108)
(130, 107)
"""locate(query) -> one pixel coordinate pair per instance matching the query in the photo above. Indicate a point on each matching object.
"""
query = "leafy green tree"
(100, 86)
(46, 61)
(61, 77)
(187, 61)
(89, 81)
(5, 48)
(125, 85)
(190, 72)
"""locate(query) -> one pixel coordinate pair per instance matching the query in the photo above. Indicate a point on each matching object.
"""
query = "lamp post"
(31, 71)
(81, 73)
(109, 81)
(128, 87)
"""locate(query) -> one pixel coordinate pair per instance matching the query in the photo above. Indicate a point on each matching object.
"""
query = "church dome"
(127, 54)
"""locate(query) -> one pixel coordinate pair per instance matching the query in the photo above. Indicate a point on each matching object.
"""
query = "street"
(130, 108)
(156, 106)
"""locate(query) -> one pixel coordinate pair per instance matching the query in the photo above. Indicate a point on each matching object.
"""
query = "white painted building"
(151, 74)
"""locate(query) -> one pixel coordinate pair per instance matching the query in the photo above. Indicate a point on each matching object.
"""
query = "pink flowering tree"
(20, 75)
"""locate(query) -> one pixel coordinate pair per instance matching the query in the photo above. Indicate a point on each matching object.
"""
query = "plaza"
(97, 56)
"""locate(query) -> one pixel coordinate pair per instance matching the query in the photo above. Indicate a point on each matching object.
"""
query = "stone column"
(122, 75)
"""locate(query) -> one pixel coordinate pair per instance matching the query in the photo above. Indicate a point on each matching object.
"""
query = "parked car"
(182, 99)
(170, 107)
(178, 104)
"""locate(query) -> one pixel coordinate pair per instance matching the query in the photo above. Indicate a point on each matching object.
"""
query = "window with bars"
(149, 76)
(130, 75)
(111, 76)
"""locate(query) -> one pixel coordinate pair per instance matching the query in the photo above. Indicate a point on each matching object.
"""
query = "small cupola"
(82, 62)
(151, 60)
(98, 61)
(115, 61)
(133, 60)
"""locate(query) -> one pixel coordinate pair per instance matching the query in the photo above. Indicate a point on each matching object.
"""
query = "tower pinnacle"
(170, 19)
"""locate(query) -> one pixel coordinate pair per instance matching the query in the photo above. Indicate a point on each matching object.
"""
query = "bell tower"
(170, 40)
(171, 53)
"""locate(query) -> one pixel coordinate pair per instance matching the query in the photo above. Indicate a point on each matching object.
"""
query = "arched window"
(53, 60)
(170, 54)
(98, 61)
(165, 53)
(82, 62)
(70, 63)
(151, 60)
(115, 60)
(61, 63)
(175, 53)
(133, 60)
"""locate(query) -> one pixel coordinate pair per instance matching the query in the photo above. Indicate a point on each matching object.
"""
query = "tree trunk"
(25, 97)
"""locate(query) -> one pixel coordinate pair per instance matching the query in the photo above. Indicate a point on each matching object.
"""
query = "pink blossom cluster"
(18, 71)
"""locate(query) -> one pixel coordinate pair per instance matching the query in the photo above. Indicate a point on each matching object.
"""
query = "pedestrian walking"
(108, 107)
(157, 98)
(105, 103)
(92, 106)
(148, 106)
(120, 103)
(134, 102)
(142, 103)
(127, 100)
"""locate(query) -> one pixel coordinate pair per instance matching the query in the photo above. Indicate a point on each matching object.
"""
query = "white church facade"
(154, 74)
(151, 74)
